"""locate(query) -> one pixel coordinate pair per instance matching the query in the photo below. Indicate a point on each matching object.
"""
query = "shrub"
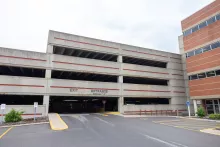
(13, 116)
(214, 116)
(200, 112)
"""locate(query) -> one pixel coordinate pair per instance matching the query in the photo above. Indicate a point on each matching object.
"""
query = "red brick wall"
(203, 61)
(202, 36)
(206, 86)
(201, 14)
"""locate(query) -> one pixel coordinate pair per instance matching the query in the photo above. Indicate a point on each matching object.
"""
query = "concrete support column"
(47, 97)
(120, 81)
(195, 107)
(46, 102)
(120, 104)
(49, 49)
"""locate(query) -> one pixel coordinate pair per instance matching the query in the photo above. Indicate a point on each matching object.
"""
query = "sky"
(155, 24)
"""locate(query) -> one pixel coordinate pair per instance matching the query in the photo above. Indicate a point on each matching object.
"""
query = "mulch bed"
(27, 121)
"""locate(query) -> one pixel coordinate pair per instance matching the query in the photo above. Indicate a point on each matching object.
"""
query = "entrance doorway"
(73, 104)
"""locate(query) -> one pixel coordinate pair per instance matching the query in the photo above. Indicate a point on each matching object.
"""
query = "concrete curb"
(58, 129)
(144, 116)
(24, 125)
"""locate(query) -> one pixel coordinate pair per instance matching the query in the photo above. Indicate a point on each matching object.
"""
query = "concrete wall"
(28, 110)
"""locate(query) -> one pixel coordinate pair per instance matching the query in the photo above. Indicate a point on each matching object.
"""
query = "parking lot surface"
(106, 131)
(190, 124)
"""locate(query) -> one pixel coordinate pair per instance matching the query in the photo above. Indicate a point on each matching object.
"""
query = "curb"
(139, 116)
(58, 129)
(8, 126)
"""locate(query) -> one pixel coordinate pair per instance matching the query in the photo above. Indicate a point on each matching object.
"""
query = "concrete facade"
(47, 86)
(199, 46)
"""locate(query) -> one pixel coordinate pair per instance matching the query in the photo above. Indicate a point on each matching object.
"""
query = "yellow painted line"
(58, 129)
(113, 113)
(187, 128)
(162, 121)
(190, 124)
(6, 132)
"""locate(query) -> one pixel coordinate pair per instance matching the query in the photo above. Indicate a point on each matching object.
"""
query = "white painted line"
(161, 141)
(179, 144)
(111, 124)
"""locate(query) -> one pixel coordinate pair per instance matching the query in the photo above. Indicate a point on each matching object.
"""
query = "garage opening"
(83, 76)
(144, 62)
(84, 54)
(21, 99)
(146, 101)
(22, 71)
(145, 81)
(74, 104)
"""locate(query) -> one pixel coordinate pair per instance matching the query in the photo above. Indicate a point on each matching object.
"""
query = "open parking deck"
(96, 130)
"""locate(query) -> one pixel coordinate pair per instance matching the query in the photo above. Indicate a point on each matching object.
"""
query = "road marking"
(179, 144)
(162, 121)
(159, 140)
(6, 132)
(111, 124)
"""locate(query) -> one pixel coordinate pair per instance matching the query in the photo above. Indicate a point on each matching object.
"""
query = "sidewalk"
(56, 123)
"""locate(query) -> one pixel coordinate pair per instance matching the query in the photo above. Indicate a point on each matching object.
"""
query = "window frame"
(210, 72)
(211, 22)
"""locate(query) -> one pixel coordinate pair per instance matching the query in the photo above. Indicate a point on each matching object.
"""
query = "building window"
(194, 77)
(196, 28)
(202, 25)
(215, 45)
(189, 54)
(217, 72)
(210, 73)
(211, 20)
(187, 32)
(202, 75)
(218, 17)
(198, 51)
(207, 48)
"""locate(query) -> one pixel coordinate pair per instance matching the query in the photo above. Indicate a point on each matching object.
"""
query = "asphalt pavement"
(106, 131)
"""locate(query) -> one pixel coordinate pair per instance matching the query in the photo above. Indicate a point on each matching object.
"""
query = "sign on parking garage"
(3, 106)
(35, 109)
(188, 104)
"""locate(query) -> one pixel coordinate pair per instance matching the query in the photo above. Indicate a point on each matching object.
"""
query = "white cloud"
(147, 23)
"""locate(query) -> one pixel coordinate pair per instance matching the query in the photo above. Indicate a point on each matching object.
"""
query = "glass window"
(198, 51)
(189, 54)
(210, 73)
(215, 101)
(215, 45)
(202, 25)
(187, 32)
(208, 101)
(218, 17)
(194, 77)
(206, 48)
(211, 20)
(189, 77)
(217, 72)
(201, 75)
(196, 28)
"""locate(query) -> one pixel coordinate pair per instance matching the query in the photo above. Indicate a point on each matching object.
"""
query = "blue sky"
(152, 24)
